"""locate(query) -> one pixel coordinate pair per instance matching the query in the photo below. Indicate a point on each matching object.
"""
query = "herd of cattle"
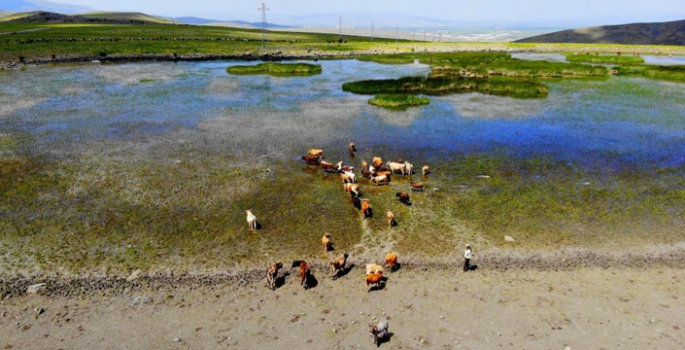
(377, 173)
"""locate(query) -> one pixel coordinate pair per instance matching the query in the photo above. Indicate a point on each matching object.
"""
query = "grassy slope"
(136, 16)
(663, 33)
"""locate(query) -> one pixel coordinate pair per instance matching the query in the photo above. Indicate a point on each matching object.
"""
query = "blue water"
(612, 124)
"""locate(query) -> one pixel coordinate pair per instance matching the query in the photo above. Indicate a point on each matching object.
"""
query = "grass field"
(57, 42)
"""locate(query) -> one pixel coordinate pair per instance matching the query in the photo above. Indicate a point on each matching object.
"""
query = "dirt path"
(433, 309)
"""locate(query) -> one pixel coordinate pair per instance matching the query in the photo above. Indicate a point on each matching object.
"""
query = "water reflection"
(616, 123)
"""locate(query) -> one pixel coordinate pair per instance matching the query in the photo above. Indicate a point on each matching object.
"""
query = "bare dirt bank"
(583, 308)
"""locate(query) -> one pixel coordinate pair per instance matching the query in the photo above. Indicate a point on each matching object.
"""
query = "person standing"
(468, 254)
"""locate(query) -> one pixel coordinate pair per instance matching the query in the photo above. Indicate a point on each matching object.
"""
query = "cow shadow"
(258, 226)
(312, 282)
(395, 267)
(408, 203)
(384, 340)
(370, 215)
(473, 267)
(343, 272)
(280, 281)
(381, 284)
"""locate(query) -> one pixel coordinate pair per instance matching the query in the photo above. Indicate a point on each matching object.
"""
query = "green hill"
(126, 16)
(662, 33)
(92, 17)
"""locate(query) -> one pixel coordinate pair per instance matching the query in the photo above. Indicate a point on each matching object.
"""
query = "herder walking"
(468, 254)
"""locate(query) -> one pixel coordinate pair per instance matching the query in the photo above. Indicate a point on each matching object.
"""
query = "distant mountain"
(235, 23)
(5, 13)
(661, 33)
(42, 5)
(93, 17)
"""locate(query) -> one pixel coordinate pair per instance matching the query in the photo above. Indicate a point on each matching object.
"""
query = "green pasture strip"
(622, 60)
(78, 217)
(444, 85)
(276, 69)
(398, 101)
(671, 73)
(436, 58)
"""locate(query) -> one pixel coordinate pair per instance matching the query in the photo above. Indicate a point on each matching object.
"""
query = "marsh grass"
(276, 69)
(444, 85)
(622, 60)
(670, 73)
(398, 101)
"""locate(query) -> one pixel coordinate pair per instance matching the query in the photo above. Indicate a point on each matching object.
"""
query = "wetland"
(117, 167)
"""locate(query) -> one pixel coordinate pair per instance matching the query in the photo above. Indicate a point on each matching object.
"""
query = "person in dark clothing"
(468, 254)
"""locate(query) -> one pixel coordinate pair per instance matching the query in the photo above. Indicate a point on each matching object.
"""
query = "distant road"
(23, 31)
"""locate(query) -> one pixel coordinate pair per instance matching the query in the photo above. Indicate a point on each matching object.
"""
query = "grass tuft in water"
(398, 101)
(278, 69)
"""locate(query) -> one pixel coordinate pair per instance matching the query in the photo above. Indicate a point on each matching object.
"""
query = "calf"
(311, 160)
(380, 180)
(391, 261)
(403, 197)
(352, 147)
(391, 219)
(315, 152)
(338, 264)
(326, 242)
(251, 219)
(373, 280)
(304, 272)
(416, 186)
(426, 170)
(366, 208)
(272, 274)
(351, 188)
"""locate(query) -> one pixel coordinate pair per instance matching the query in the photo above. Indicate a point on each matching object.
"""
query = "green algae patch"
(500, 86)
(400, 102)
(278, 69)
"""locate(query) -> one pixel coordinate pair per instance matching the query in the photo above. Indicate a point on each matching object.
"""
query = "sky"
(536, 11)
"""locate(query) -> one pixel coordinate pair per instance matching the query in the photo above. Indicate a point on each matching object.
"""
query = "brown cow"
(304, 272)
(416, 186)
(391, 261)
(373, 280)
(312, 160)
(338, 264)
(403, 197)
(366, 208)
(272, 274)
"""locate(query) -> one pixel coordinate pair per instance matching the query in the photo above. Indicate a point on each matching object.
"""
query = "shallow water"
(609, 124)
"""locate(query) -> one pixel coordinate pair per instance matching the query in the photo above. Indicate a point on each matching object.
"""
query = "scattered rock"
(35, 288)
(139, 300)
(40, 311)
(509, 239)
(482, 176)
(177, 340)
(134, 275)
